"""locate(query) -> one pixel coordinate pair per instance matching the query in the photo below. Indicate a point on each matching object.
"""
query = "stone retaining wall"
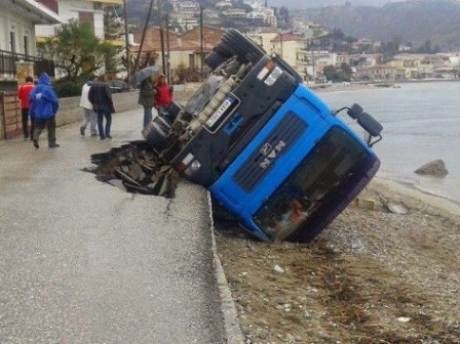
(71, 112)
(10, 116)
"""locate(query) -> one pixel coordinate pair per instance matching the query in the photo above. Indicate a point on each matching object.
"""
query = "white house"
(17, 34)
(17, 24)
(89, 12)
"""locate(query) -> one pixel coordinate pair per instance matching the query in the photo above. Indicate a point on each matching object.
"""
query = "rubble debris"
(396, 208)
(435, 168)
(278, 269)
(137, 168)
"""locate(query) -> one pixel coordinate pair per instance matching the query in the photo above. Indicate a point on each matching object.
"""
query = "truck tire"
(244, 48)
(157, 133)
(215, 59)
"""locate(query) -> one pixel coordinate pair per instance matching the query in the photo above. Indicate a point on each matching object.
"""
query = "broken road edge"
(232, 329)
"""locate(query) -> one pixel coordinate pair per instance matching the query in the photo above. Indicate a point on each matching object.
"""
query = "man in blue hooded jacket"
(44, 105)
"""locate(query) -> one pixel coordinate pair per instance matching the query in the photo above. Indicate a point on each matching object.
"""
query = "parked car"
(117, 86)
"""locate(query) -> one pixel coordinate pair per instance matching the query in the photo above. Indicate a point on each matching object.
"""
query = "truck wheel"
(223, 49)
(243, 47)
(157, 133)
(215, 59)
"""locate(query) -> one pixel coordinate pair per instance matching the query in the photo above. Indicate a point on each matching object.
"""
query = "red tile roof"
(286, 37)
(189, 40)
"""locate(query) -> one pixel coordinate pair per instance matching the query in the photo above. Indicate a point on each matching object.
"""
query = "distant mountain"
(413, 21)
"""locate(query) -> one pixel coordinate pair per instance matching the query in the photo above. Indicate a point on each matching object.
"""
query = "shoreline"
(358, 86)
(370, 272)
(411, 190)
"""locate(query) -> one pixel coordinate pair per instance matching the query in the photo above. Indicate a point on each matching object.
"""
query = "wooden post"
(146, 24)
(162, 37)
(201, 43)
(168, 51)
(128, 62)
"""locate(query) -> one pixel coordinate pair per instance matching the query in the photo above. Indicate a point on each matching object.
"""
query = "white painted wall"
(68, 10)
(12, 22)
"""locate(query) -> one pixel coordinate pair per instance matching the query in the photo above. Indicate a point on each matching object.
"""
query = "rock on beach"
(435, 168)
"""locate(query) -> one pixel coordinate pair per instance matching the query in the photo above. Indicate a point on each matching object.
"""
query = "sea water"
(421, 123)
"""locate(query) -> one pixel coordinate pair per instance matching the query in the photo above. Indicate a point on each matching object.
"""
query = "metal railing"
(8, 61)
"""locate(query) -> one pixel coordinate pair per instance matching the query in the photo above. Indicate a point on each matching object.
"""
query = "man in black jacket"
(101, 98)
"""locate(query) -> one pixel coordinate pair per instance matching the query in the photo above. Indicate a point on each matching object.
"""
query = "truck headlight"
(195, 166)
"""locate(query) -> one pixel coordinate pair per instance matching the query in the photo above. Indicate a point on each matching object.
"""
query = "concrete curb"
(232, 328)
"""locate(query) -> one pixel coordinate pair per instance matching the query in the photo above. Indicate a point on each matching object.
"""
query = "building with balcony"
(313, 62)
(18, 56)
(379, 73)
(17, 39)
(234, 13)
(90, 12)
(264, 37)
(291, 48)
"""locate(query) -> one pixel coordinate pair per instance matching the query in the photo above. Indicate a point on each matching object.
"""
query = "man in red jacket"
(23, 95)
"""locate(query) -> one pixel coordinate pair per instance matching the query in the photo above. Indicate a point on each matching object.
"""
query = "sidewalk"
(84, 262)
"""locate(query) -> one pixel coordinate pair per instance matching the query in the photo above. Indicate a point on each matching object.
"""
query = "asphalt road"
(84, 262)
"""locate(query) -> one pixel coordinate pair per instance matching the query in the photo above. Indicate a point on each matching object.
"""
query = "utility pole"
(313, 60)
(168, 51)
(281, 45)
(146, 24)
(128, 62)
(162, 36)
(201, 43)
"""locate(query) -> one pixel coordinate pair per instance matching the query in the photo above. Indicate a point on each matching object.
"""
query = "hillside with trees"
(415, 21)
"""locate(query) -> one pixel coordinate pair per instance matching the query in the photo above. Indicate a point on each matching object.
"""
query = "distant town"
(180, 33)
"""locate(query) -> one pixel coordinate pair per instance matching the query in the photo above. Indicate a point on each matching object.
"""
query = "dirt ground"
(373, 276)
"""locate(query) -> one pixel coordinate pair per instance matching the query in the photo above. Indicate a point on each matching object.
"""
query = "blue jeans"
(90, 117)
(147, 115)
(108, 123)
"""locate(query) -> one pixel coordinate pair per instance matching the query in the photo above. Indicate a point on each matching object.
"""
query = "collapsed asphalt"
(137, 168)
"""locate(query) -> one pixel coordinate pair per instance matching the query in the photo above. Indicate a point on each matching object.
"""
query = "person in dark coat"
(146, 99)
(44, 104)
(101, 98)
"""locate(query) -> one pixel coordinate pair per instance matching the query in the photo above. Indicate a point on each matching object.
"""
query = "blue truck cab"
(298, 173)
(270, 151)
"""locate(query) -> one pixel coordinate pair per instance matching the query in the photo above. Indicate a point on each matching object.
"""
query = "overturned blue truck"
(270, 151)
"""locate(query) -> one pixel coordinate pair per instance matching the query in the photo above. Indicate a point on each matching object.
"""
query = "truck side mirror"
(370, 124)
(355, 111)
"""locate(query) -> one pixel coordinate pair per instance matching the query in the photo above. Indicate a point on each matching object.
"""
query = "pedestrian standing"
(163, 96)
(44, 105)
(89, 116)
(101, 98)
(146, 99)
(23, 95)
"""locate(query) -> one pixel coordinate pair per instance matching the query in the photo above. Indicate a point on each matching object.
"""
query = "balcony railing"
(8, 62)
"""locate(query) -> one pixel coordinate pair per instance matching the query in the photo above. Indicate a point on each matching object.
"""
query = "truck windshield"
(333, 161)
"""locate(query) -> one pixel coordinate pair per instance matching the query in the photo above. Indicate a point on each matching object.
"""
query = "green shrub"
(66, 88)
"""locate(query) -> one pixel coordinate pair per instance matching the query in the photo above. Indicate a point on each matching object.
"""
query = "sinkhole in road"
(135, 168)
